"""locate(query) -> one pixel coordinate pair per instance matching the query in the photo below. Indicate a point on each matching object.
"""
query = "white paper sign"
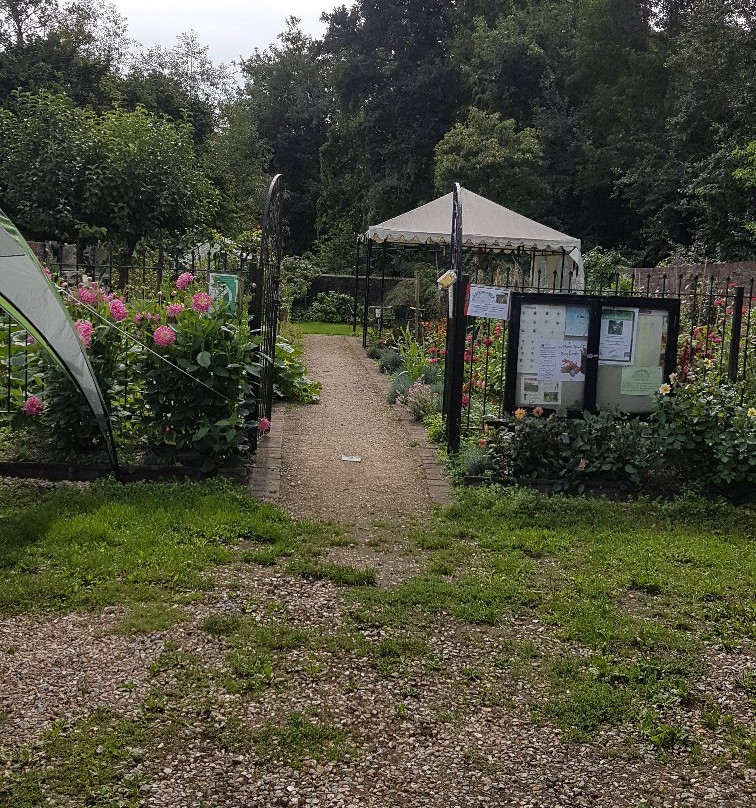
(619, 328)
(534, 392)
(561, 360)
(488, 301)
(538, 324)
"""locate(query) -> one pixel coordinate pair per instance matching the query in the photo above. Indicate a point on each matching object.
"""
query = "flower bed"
(177, 372)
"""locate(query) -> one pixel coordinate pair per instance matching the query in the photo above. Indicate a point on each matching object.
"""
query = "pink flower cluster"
(87, 295)
(84, 329)
(33, 406)
(146, 317)
(118, 310)
(164, 336)
(201, 302)
(174, 309)
(184, 279)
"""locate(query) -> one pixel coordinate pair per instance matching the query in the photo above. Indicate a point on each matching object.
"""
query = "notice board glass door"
(581, 352)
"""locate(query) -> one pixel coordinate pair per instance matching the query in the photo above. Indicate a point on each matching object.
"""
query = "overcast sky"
(231, 28)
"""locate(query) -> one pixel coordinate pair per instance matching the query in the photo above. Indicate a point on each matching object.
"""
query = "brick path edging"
(439, 488)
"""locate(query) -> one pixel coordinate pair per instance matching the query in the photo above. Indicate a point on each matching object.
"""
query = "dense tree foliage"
(78, 175)
(628, 123)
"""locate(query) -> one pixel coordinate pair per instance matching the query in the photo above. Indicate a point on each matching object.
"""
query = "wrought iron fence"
(717, 323)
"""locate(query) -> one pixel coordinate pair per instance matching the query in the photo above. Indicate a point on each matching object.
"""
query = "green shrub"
(399, 388)
(290, 379)
(707, 435)
(331, 307)
(389, 360)
(573, 451)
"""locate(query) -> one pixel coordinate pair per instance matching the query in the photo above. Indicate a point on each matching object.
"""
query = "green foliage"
(603, 266)
(491, 157)
(400, 386)
(574, 451)
(390, 360)
(72, 174)
(707, 435)
(290, 379)
(296, 276)
(412, 355)
(285, 90)
(331, 307)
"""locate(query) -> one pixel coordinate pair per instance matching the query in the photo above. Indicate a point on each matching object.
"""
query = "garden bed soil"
(80, 472)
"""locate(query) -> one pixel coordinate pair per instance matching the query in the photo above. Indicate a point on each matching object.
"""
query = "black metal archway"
(264, 282)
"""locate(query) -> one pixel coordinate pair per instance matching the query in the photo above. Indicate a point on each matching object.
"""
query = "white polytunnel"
(32, 300)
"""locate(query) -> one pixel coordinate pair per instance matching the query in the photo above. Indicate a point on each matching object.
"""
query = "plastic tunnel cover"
(31, 298)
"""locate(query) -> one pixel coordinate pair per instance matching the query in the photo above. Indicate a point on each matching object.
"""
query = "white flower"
(673, 378)
(665, 389)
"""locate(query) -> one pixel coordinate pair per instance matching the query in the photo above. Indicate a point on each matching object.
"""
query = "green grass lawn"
(85, 548)
(642, 586)
(635, 593)
(334, 329)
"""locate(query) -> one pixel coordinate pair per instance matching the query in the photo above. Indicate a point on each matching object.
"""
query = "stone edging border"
(439, 488)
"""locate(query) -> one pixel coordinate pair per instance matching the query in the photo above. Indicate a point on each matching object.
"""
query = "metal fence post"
(456, 363)
(736, 328)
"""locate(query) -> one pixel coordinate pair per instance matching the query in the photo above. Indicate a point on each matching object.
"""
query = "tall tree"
(491, 157)
(286, 93)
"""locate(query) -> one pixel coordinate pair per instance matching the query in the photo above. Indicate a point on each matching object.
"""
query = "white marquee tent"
(484, 224)
(32, 300)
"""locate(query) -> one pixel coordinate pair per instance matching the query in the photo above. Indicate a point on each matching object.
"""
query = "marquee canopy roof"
(32, 300)
(484, 223)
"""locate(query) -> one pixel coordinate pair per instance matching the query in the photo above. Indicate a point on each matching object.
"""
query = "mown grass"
(641, 586)
(85, 548)
(313, 327)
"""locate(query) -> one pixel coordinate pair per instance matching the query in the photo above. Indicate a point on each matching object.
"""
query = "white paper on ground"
(351, 458)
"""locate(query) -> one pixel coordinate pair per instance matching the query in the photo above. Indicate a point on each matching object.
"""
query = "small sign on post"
(488, 301)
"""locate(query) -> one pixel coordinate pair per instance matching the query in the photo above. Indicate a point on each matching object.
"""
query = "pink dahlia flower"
(87, 296)
(118, 310)
(174, 309)
(201, 302)
(184, 279)
(84, 329)
(33, 406)
(264, 425)
(164, 336)
(30, 340)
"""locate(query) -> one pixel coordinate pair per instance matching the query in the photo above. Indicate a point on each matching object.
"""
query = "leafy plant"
(422, 400)
(331, 307)
(290, 379)
(389, 360)
(413, 357)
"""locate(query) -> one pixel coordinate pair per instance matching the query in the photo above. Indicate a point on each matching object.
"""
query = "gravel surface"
(381, 498)
(447, 723)
(353, 418)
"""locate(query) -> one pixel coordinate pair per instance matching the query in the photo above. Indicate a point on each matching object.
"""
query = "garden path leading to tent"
(397, 479)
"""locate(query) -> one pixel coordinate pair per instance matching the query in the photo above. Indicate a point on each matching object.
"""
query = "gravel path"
(378, 499)
(352, 419)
